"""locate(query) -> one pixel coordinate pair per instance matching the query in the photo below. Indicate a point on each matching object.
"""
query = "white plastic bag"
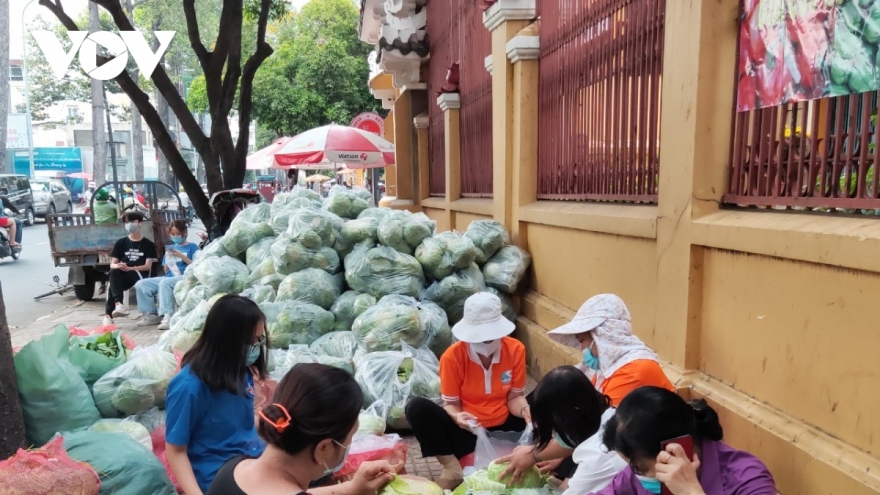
(484, 453)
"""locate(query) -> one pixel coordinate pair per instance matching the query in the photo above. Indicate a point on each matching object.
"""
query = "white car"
(50, 196)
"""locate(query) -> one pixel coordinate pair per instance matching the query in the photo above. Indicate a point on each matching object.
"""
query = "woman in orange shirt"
(482, 381)
(615, 360)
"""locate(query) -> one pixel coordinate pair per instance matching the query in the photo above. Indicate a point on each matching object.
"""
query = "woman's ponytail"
(708, 424)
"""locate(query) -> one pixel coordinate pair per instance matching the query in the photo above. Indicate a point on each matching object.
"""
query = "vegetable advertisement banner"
(796, 50)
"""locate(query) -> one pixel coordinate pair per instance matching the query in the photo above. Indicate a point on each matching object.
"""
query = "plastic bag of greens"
(244, 235)
(126, 467)
(364, 194)
(137, 385)
(105, 212)
(291, 255)
(95, 355)
(315, 221)
(299, 192)
(349, 306)
(259, 293)
(488, 237)
(378, 213)
(405, 484)
(260, 213)
(395, 377)
(507, 308)
(354, 232)
(438, 335)
(506, 269)
(54, 397)
(336, 344)
(445, 254)
(261, 271)
(346, 204)
(381, 270)
(299, 354)
(217, 248)
(310, 286)
(227, 275)
(385, 326)
(188, 283)
(128, 426)
(372, 420)
(451, 292)
(259, 252)
(195, 296)
(403, 231)
(292, 322)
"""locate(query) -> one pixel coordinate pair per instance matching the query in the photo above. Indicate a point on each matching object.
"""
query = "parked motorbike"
(7, 251)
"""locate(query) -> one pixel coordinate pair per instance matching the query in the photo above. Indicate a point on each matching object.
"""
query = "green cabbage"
(292, 255)
(336, 344)
(292, 322)
(137, 385)
(488, 237)
(507, 308)
(259, 252)
(311, 286)
(378, 213)
(260, 293)
(354, 232)
(193, 298)
(349, 306)
(402, 231)
(432, 318)
(265, 269)
(244, 235)
(315, 222)
(223, 274)
(451, 292)
(381, 270)
(444, 254)
(299, 192)
(188, 283)
(216, 248)
(531, 478)
(506, 269)
(299, 354)
(260, 213)
(346, 204)
(135, 430)
(384, 327)
(411, 485)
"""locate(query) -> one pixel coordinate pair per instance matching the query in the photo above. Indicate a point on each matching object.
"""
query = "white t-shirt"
(596, 467)
(184, 200)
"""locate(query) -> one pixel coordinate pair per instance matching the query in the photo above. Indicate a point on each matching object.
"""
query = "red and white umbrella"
(263, 158)
(336, 144)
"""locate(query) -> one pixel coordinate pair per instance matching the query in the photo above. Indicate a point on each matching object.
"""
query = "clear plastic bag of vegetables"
(127, 426)
(244, 235)
(311, 286)
(364, 194)
(186, 329)
(193, 298)
(295, 323)
(349, 306)
(259, 252)
(346, 204)
(215, 249)
(355, 232)
(438, 334)
(371, 421)
(403, 231)
(302, 192)
(259, 293)
(488, 237)
(336, 344)
(187, 284)
(445, 253)
(507, 308)
(378, 213)
(381, 270)
(261, 271)
(405, 484)
(225, 274)
(451, 292)
(292, 255)
(506, 269)
(260, 213)
(299, 354)
(386, 327)
(319, 222)
(395, 377)
(137, 385)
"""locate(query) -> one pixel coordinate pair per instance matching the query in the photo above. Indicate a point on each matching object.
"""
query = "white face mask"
(484, 349)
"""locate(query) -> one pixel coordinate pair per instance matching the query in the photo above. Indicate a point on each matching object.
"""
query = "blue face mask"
(254, 354)
(653, 485)
(590, 360)
(177, 240)
(561, 442)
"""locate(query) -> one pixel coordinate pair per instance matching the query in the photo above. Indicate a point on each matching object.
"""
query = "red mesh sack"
(158, 438)
(263, 392)
(100, 330)
(389, 448)
(47, 471)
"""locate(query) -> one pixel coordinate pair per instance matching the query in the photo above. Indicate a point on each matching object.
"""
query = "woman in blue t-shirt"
(210, 403)
(178, 256)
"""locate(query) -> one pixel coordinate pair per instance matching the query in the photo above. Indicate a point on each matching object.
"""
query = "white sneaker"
(149, 320)
(119, 312)
(166, 323)
(107, 321)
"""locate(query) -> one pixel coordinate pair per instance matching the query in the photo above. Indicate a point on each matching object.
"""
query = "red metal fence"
(443, 43)
(810, 155)
(476, 102)
(599, 99)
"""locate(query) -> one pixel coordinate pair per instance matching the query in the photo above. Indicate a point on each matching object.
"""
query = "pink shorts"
(6, 221)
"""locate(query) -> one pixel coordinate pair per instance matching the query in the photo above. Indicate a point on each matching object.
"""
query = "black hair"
(133, 216)
(323, 402)
(649, 416)
(219, 356)
(566, 402)
(180, 225)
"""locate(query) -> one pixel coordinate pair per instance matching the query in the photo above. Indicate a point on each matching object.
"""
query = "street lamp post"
(27, 94)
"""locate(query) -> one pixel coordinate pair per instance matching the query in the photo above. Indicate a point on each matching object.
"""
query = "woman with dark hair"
(567, 409)
(131, 258)
(650, 416)
(210, 403)
(308, 428)
(178, 256)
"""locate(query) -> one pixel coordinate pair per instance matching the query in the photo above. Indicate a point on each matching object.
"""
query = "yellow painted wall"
(462, 220)
(438, 216)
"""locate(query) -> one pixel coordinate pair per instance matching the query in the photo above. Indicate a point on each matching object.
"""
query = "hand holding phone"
(676, 470)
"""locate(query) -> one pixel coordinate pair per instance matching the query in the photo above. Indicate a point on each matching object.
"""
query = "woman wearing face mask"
(210, 403)
(308, 428)
(650, 416)
(482, 380)
(177, 258)
(131, 259)
(568, 411)
(616, 361)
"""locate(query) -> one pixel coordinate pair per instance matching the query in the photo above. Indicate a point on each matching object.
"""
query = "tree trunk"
(11, 420)
(4, 81)
(99, 139)
(137, 141)
(165, 174)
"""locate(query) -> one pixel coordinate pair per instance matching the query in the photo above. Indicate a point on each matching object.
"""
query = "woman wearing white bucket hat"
(617, 363)
(482, 381)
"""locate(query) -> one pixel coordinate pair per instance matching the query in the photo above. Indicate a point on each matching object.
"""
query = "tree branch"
(195, 38)
(245, 97)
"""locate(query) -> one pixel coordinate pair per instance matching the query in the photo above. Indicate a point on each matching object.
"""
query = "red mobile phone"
(687, 443)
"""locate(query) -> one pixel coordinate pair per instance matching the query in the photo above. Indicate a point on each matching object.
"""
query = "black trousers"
(120, 282)
(438, 434)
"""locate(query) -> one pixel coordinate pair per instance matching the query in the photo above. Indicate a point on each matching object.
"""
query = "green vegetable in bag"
(349, 306)
(244, 235)
(404, 484)
(137, 385)
(403, 231)
(383, 327)
(253, 214)
(346, 204)
(354, 232)
(381, 271)
(445, 254)
(451, 292)
(310, 286)
(292, 323)
(291, 255)
(96, 355)
(321, 224)
(507, 268)
(259, 252)
(488, 237)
